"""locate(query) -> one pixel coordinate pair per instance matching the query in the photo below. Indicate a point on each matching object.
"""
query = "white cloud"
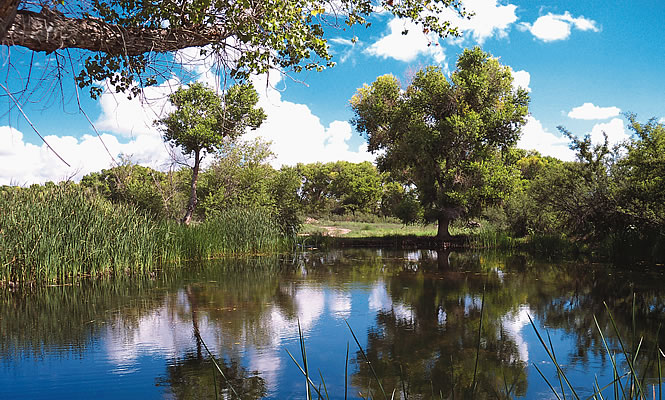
(298, 135)
(25, 163)
(535, 137)
(521, 79)
(490, 19)
(615, 131)
(590, 111)
(552, 27)
(661, 121)
(131, 118)
(342, 41)
(406, 47)
(347, 45)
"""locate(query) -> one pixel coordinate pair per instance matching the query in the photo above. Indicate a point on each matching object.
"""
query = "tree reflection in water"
(422, 307)
(431, 349)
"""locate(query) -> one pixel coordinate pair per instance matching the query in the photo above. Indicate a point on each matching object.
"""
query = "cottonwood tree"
(123, 42)
(446, 135)
(202, 121)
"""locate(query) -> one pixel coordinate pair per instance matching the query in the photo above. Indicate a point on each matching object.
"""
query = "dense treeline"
(240, 176)
(610, 200)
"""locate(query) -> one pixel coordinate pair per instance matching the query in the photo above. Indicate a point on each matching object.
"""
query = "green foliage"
(238, 177)
(446, 136)
(357, 186)
(142, 187)
(58, 233)
(284, 187)
(340, 187)
(409, 210)
(232, 231)
(202, 120)
(641, 175)
(610, 201)
(271, 34)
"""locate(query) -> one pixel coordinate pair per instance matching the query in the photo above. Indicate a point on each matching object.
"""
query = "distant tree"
(202, 121)
(582, 192)
(356, 186)
(284, 187)
(641, 175)
(129, 183)
(237, 177)
(316, 191)
(446, 136)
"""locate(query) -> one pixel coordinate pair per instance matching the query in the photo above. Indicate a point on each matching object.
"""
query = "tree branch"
(50, 30)
(8, 11)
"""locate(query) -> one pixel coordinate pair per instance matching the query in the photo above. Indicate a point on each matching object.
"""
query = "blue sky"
(584, 63)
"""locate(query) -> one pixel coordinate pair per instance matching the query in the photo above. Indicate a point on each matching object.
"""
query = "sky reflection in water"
(416, 309)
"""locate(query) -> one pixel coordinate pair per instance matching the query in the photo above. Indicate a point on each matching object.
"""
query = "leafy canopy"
(202, 119)
(125, 40)
(446, 136)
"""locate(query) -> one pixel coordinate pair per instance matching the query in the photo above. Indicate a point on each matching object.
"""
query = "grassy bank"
(58, 233)
(332, 232)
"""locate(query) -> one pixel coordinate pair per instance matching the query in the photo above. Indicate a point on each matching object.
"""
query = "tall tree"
(202, 121)
(446, 135)
(122, 39)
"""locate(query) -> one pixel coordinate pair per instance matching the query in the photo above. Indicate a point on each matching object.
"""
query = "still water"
(415, 313)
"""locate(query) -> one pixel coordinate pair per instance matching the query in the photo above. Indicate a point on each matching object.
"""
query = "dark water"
(416, 314)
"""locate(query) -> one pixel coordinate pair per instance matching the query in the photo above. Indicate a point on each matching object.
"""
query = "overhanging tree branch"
(50, 30)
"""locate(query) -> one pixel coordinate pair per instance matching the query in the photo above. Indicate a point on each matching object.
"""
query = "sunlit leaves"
(203, 119)
(446, 136)
(249, 37)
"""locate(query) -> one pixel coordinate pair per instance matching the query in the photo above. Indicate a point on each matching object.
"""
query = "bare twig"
(18, 106)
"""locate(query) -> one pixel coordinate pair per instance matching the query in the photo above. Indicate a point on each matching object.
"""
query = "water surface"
(415, 313)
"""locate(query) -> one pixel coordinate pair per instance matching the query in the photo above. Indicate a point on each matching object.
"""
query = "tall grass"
(629, 381)
(57, 233)
(235, 231)
(489, 237)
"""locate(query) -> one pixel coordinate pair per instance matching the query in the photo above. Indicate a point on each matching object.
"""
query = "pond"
(415, 313)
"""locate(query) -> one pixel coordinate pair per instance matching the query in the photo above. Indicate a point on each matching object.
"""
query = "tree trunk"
(193, 305)
(442, 233)
(50, 30)
(8, 10)
(192, 196)
(443, 259)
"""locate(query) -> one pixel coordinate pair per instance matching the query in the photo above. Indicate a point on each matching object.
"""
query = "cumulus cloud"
(135, 117)
(25, 163)
(552, 27)
(590, 111)
(536, 137)
(490, 19)
(298, 135)
(406, 47)
(521, 79)
(615, 131)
